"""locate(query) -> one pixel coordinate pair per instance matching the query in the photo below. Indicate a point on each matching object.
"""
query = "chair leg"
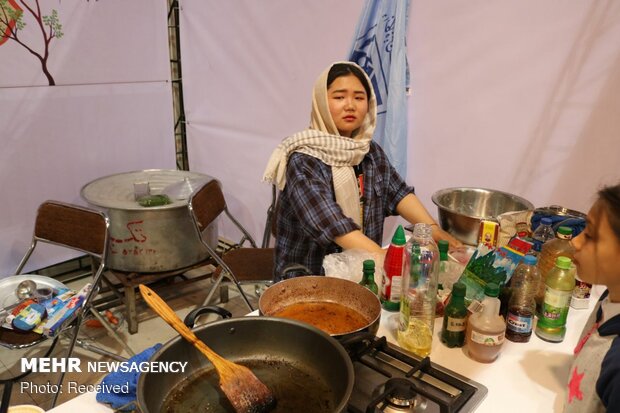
(76, 329)
(216, 283)
(245, 297)
(130, 309)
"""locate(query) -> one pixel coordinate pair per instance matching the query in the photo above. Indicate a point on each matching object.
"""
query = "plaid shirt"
(308, 217)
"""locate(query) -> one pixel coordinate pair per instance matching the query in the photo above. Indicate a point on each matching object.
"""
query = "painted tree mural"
(13, 14)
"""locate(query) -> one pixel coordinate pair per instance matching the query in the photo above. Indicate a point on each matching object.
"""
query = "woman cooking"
(337, 185)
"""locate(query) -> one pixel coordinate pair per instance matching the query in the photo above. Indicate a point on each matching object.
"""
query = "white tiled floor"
(151, 330)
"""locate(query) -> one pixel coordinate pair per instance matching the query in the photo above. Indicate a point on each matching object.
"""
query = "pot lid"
(118, 190)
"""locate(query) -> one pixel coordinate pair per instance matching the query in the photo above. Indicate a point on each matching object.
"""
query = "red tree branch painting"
(12, 22)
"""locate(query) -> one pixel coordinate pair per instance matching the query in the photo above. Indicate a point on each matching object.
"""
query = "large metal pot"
(150, 239)
(312, 289)
(302, 365)
(461, 209)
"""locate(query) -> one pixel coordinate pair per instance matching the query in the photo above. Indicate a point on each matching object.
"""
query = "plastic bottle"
(455, 318)
(544, 232)
(486, 329)
(522, 304)
(559, 286)
(368, 277)
(419, 292)
(392, 271)
(551, 250)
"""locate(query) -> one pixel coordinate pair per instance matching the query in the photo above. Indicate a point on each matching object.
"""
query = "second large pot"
(312, 289)
(152, 239)
(311, 368)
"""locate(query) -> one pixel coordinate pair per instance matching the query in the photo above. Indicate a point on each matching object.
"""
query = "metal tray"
(9, 284)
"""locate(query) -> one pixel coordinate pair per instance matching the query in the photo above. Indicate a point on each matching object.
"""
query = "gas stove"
(389, 379)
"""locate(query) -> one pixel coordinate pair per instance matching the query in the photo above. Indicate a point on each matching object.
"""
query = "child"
(594, 379)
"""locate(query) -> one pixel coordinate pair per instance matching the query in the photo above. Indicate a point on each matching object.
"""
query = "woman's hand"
(439, 234)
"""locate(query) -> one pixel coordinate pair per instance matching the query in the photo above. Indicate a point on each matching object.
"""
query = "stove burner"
(397, 395)
(400, 392)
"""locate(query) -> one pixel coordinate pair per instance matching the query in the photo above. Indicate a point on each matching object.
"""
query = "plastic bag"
(348, 264)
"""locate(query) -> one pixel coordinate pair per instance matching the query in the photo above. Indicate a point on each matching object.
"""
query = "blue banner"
(380, 48)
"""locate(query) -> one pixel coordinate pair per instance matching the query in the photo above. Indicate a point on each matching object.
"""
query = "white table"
(527, 377)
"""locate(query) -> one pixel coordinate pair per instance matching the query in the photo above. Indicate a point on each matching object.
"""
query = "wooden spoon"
(244, 390)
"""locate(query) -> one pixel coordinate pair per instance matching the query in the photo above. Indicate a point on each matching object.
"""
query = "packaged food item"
(488, 233)
(581, 294)
(492, 265)
(29, 317)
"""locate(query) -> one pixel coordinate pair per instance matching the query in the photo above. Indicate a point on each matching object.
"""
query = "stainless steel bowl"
(461, 209)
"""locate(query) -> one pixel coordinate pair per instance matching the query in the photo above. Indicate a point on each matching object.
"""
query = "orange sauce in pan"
(333, 318)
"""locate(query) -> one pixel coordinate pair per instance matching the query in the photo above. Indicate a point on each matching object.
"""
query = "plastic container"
(455, 318)
(559, 285)
(551, 250)
(391, 283)
(522, 304)
(544, 232)
(419, 292)
(486, 329)
(368, 276)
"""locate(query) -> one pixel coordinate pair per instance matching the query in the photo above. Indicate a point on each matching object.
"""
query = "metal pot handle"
(190, 318)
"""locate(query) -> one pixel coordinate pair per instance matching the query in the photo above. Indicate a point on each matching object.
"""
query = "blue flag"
(379, 48)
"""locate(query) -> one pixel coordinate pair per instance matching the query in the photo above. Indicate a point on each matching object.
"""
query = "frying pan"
(305, 368)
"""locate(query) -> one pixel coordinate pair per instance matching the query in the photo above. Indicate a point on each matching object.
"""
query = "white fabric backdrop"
(520, 96)
(110, 112)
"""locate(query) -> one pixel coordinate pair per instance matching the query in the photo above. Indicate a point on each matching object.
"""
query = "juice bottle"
(419, 292)
(392, 271)
(551, 250)
(559, 286)
(486, 329)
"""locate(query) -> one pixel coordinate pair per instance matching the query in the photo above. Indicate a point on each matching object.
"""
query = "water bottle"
(419, 292)
(559, 285)
(392, 271)
(486, 329)
(542, 234)
(522, 304)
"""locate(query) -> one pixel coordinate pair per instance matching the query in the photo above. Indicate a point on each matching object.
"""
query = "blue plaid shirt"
(308, 217)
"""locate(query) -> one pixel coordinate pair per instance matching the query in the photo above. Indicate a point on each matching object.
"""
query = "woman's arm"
(413, 211)
(357, 239)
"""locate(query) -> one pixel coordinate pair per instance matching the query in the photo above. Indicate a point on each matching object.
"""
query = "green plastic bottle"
(559, 286)
(455, 318)
(368, 277)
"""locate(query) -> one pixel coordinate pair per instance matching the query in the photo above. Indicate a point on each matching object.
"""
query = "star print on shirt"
(573, 386)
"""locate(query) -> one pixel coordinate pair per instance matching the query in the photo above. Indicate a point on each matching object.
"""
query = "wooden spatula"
(244, 390)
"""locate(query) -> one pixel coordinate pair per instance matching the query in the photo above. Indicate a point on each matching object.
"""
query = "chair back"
(206, 204)
(72, 226)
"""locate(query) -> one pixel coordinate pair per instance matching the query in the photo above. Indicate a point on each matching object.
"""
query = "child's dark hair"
(610, 198)
(343, 69)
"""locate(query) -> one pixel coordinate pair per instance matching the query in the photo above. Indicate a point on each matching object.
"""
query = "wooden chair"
(79, 229)
(240, 265)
